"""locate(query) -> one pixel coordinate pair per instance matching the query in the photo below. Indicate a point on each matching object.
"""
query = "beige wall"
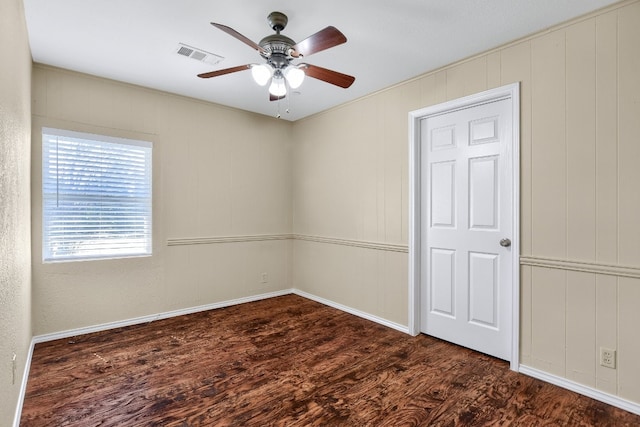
(218, 172)
(15, 250)
(351, 183)
(580, 204)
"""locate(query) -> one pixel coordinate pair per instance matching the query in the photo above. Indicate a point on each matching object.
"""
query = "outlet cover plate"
(608, 358)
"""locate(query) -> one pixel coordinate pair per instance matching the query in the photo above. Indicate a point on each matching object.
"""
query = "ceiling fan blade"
(323, 39)
(224, 71)
(237, 35)
(329, 76)
(275, 98)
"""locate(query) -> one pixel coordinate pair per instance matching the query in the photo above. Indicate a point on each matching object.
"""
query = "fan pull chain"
(288, 101)
(288, 96)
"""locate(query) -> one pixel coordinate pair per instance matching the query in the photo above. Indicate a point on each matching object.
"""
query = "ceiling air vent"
(198, 54)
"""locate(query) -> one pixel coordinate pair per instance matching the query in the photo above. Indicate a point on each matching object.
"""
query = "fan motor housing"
(276, 43)
(277, 47)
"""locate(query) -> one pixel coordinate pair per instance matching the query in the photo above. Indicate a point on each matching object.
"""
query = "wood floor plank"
(287, 361)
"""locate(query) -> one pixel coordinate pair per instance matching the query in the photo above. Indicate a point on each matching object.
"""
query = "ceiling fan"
(279, 51)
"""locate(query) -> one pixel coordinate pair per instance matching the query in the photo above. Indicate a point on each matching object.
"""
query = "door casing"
(511, 91)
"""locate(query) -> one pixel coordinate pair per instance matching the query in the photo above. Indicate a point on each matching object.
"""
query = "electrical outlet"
(608, 357)
(264, 278)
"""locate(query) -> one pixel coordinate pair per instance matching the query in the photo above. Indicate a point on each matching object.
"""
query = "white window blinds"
(96, 195)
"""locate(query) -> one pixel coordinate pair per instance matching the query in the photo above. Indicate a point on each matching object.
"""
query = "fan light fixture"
(294, 76)
(277, 87)
(262, 73)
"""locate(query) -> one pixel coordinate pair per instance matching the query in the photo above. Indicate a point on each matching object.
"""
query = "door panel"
(483, 193)
(466, 211)
(443, 138)
(443, 193)
(483, 289)
(484, 131)
(443, 275)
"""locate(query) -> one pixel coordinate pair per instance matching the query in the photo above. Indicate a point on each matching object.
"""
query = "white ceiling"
(135, 41)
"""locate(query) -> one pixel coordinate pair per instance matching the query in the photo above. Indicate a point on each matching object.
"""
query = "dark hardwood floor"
(287, 361)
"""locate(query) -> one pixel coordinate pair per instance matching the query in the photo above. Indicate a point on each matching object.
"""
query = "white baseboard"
(581, 389)
(353, 311)
(23, 386)
(166, 315)
(153, 317)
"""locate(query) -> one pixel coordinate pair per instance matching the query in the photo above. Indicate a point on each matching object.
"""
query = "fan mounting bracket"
(277, 21)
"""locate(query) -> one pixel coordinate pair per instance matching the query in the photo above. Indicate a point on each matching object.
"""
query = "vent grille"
(198, 54)
(185, 51)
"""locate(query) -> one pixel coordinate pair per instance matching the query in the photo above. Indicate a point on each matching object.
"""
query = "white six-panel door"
(466, 222)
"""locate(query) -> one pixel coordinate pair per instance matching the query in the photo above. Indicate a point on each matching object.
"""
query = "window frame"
(117, 251)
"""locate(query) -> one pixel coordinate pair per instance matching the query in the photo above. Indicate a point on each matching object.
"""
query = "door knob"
(505, 242)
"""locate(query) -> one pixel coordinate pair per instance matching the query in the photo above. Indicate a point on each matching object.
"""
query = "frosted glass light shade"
(278, 87)
(295, 76)
(261, 73)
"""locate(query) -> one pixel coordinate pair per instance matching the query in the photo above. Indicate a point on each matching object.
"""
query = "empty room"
(419, 212)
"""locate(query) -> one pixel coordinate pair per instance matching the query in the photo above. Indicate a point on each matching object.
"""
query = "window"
(96, 196)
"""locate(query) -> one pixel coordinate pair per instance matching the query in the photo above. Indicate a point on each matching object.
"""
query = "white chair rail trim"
(380, 246)
(582, 266)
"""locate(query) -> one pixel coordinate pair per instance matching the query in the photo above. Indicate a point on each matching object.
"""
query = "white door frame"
(511, 91)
